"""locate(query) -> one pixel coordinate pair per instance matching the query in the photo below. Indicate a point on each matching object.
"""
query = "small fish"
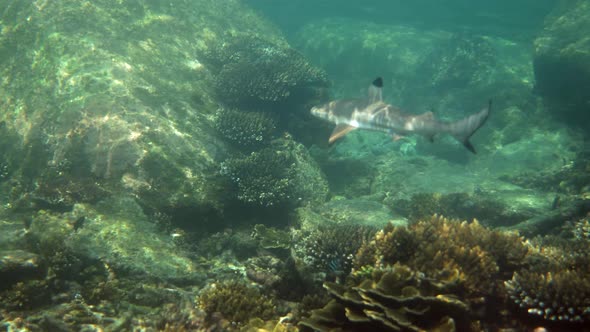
(373, 114)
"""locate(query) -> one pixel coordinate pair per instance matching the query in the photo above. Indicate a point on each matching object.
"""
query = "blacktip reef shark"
(374, 114)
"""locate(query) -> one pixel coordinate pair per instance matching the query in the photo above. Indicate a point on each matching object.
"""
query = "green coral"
(248, 130)
(282, 174)
(236, 302)
(255, 72)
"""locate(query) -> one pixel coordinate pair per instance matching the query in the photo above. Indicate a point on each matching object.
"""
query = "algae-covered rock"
(562, 60)
(359, 211)
(118, 234)
(19, 265)
(101, 98)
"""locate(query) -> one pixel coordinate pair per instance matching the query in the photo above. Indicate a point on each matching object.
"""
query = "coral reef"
(282, 174)
(397, 299)
(562, 296)
(236, 302)
(554, 289)
(581, 228)
(330, 248)
(253, 72)
(480, 256)
(245, 130)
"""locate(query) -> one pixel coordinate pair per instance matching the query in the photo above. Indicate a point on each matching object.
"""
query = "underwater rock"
(562, 61)
(548, 221)
(127, 108)
(359, 211)
(19, 265)
(115, 233)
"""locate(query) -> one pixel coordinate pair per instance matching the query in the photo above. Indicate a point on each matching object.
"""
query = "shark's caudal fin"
(376, 90)
(463, 129)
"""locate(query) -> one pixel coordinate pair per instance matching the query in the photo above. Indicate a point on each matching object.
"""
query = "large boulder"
(562, 61)
(101, 99)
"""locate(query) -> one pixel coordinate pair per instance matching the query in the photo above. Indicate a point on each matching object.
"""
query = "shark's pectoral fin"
(397, 137)
(340, 131)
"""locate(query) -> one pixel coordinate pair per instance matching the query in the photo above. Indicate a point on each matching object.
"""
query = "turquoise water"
(201, 165)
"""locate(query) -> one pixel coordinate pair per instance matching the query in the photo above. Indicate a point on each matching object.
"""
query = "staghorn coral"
(395, 299)
(255, 72)
(236, 302)
(562, 296)
(246, 130)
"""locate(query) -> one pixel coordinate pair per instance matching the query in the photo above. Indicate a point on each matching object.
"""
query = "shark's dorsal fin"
(340, 131)
(375, 90)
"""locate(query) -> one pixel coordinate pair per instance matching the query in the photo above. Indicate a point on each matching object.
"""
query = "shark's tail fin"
(463, 129)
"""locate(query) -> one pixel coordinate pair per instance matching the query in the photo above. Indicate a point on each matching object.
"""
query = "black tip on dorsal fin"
(378, 82)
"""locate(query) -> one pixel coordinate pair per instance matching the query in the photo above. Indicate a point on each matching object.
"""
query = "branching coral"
(561, 296)
(581, 229)
(479, 255)
(247, 130)
(236, 302)
(256, 72)
(555, 289)
(282, 174)
(331, 248)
